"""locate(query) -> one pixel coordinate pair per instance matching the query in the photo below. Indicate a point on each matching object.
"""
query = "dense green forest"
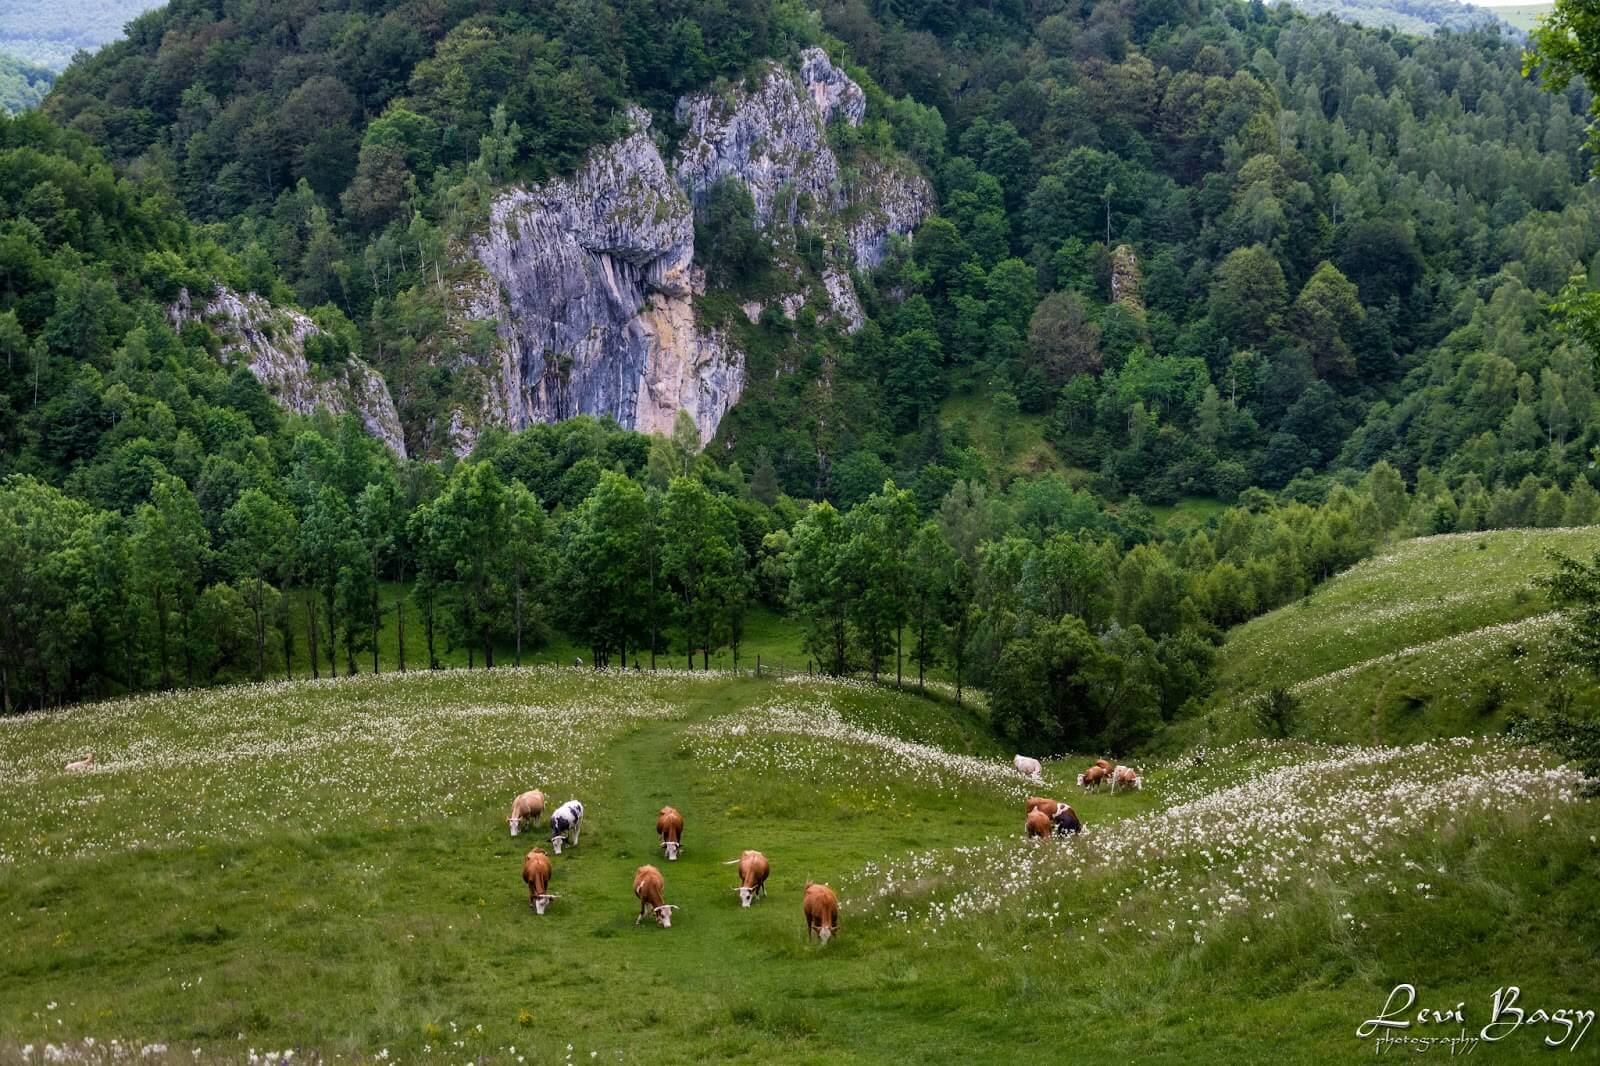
(1338, 280)
(21, 85)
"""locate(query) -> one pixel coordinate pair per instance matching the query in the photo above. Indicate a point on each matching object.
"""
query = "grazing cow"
(565, 823)
(83, 763)
(1038, 824)
(822, 911)
(669, 826)
(753, 870)
(1103, 765)
(647, 885)
(1126, 777)
(536, 872)
(1027, 767)
(527, 807)
(1092, 777)
(1066, 821)
(1040, 803)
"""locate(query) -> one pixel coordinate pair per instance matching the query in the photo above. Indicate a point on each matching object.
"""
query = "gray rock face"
(271, 341)
(590, 279)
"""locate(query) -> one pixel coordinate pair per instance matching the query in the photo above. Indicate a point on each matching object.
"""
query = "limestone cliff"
(271, 341)
(590, 279)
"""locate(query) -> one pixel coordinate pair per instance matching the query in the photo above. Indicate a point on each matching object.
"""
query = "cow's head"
(746, 894)
(824, 933)
(516, 824)
(672, 847)
(556, 841)
(542, 901)
(664, 915)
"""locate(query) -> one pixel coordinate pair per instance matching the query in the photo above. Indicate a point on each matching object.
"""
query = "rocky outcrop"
(590, 279)
(271, 341)
(1125, 276)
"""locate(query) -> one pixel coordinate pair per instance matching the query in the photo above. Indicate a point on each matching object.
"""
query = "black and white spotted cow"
(565, 823)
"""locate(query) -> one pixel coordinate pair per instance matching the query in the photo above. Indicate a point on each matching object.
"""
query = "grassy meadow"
(324, 868)
(1442, 636)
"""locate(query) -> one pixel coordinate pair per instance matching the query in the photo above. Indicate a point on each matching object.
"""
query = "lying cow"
(669, 826)
(565, 824)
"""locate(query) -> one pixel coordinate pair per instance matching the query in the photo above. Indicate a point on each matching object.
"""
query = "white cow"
(1028, 767)
(565, 824)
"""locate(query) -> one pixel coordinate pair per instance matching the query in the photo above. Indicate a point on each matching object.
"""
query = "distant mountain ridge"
(49, 34)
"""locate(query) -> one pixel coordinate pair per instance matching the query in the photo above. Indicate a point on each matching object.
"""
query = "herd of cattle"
(1043, 817)
(820, 903)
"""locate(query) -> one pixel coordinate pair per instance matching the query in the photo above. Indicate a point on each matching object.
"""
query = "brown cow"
(1038, 824)
(669, 826)
(536, 872)
(822, 911)
(82, 764)
(1092, 777)
(1126, 777)
(647, 886)
(528, 807)
(753, 870)
(1041, 803)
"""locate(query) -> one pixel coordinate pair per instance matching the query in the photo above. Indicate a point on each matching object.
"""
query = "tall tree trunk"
(488, 647)
(377, 613)
(311, 633)
(400, 614)
(519, 623)
(922, 654)
(261, 630)
(899, 635)
(188, 650)
(161, 639)
(427, 629)
(333, 632)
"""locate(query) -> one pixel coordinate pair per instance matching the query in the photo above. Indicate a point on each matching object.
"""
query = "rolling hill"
(323, 867)
(1438, 636)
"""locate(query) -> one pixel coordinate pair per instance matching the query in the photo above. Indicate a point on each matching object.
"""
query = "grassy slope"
(1029, 453)
(1435, 637)
(326, 866)
(1524, 16)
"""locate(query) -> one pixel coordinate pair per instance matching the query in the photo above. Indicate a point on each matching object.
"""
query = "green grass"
(1188, 513)
(1524, 16)
(1028, 453)
(1440, 636)
(326, 866)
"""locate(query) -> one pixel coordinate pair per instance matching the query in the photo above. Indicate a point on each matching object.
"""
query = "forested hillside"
(48, 35)
(1408, 16)
(21, 85)
(1302, 270)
